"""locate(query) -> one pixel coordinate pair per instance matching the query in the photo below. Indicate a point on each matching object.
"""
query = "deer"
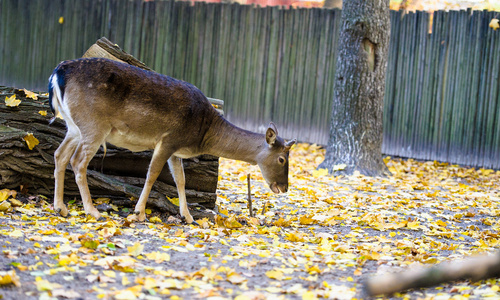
(106, 101)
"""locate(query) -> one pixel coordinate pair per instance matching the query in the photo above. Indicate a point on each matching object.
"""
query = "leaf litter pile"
(320, 240)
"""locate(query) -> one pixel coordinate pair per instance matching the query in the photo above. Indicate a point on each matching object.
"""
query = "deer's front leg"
(177, 169)
(160, 157)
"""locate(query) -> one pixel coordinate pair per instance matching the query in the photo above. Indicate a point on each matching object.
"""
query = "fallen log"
(118, 175)
(473, 268)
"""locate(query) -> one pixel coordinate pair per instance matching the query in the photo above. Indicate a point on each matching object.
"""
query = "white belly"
(130, 142)
(136, 143)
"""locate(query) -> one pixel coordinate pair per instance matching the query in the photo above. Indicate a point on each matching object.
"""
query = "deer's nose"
(283, 187)
(278, 187)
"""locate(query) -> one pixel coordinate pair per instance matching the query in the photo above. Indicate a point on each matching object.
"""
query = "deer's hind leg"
(61, 159)
(85, 151)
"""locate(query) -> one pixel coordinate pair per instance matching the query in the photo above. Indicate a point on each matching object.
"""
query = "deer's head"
(273, 162)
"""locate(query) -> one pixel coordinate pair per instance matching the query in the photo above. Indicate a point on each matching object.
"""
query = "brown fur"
(107, 101)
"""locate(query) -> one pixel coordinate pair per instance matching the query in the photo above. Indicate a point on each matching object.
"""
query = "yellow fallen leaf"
(275, 274)
(125, 295)
(413, 225)
(61, 20)
(294, 237)
(158, 257)
(6, 193)
(30, 94)
(136, 249)
(494, 24)
(16, 233)
(308, 253)
(309, 295)
(10, 278)
(109, 273)
(174, 201)
(31, 141)
(155, 220)
(313, 270)
(12, 101)
(235, 278)
(5, 206)
(15, 202)
(125, 280)
(320, 173)
(43, 113)
(232, 223)
(306, 220)
(43, 285)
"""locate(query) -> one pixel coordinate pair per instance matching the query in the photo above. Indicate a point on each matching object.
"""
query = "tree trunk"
(355, 141)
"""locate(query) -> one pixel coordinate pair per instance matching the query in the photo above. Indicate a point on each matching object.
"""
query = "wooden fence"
(442, 91)
(279, 64)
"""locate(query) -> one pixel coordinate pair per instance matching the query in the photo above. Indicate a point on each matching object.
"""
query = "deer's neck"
(226, 140)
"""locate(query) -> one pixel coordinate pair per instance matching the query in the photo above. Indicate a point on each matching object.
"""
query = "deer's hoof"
(141, 217)
(94, 213)
(63, 212)
(185, 220)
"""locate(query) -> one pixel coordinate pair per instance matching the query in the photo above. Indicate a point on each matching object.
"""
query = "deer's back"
(139, 106)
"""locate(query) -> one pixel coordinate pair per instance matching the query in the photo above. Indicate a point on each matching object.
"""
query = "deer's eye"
(281, 160)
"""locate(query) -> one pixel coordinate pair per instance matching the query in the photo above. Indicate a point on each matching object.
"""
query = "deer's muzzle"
(278, 187)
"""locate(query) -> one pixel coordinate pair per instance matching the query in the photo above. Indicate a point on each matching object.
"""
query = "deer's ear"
(271, 134)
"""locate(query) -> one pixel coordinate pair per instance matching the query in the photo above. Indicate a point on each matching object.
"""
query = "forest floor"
(320, 240)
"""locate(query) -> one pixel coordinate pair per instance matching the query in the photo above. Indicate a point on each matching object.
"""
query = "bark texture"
(356, 125)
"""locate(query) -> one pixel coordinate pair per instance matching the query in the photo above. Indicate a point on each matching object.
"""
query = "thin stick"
(249, 197)
(264, 208)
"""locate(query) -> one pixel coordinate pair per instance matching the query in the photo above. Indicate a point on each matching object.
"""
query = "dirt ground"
(320, 240)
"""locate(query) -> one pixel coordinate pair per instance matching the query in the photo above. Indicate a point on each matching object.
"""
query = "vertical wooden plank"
(480, 112)
(399, 105)
(280, 60)
(491, 73)
(422, 107)
(448, 86)
(223, 57)
(271, 73)
(238, 35)
(460, 92)
(310, 123)
(207, 50)
(495, 97)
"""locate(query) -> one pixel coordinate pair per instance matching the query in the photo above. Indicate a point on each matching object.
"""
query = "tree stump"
(118, 175)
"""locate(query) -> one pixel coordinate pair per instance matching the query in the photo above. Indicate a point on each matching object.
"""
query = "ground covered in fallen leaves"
(317, 241)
